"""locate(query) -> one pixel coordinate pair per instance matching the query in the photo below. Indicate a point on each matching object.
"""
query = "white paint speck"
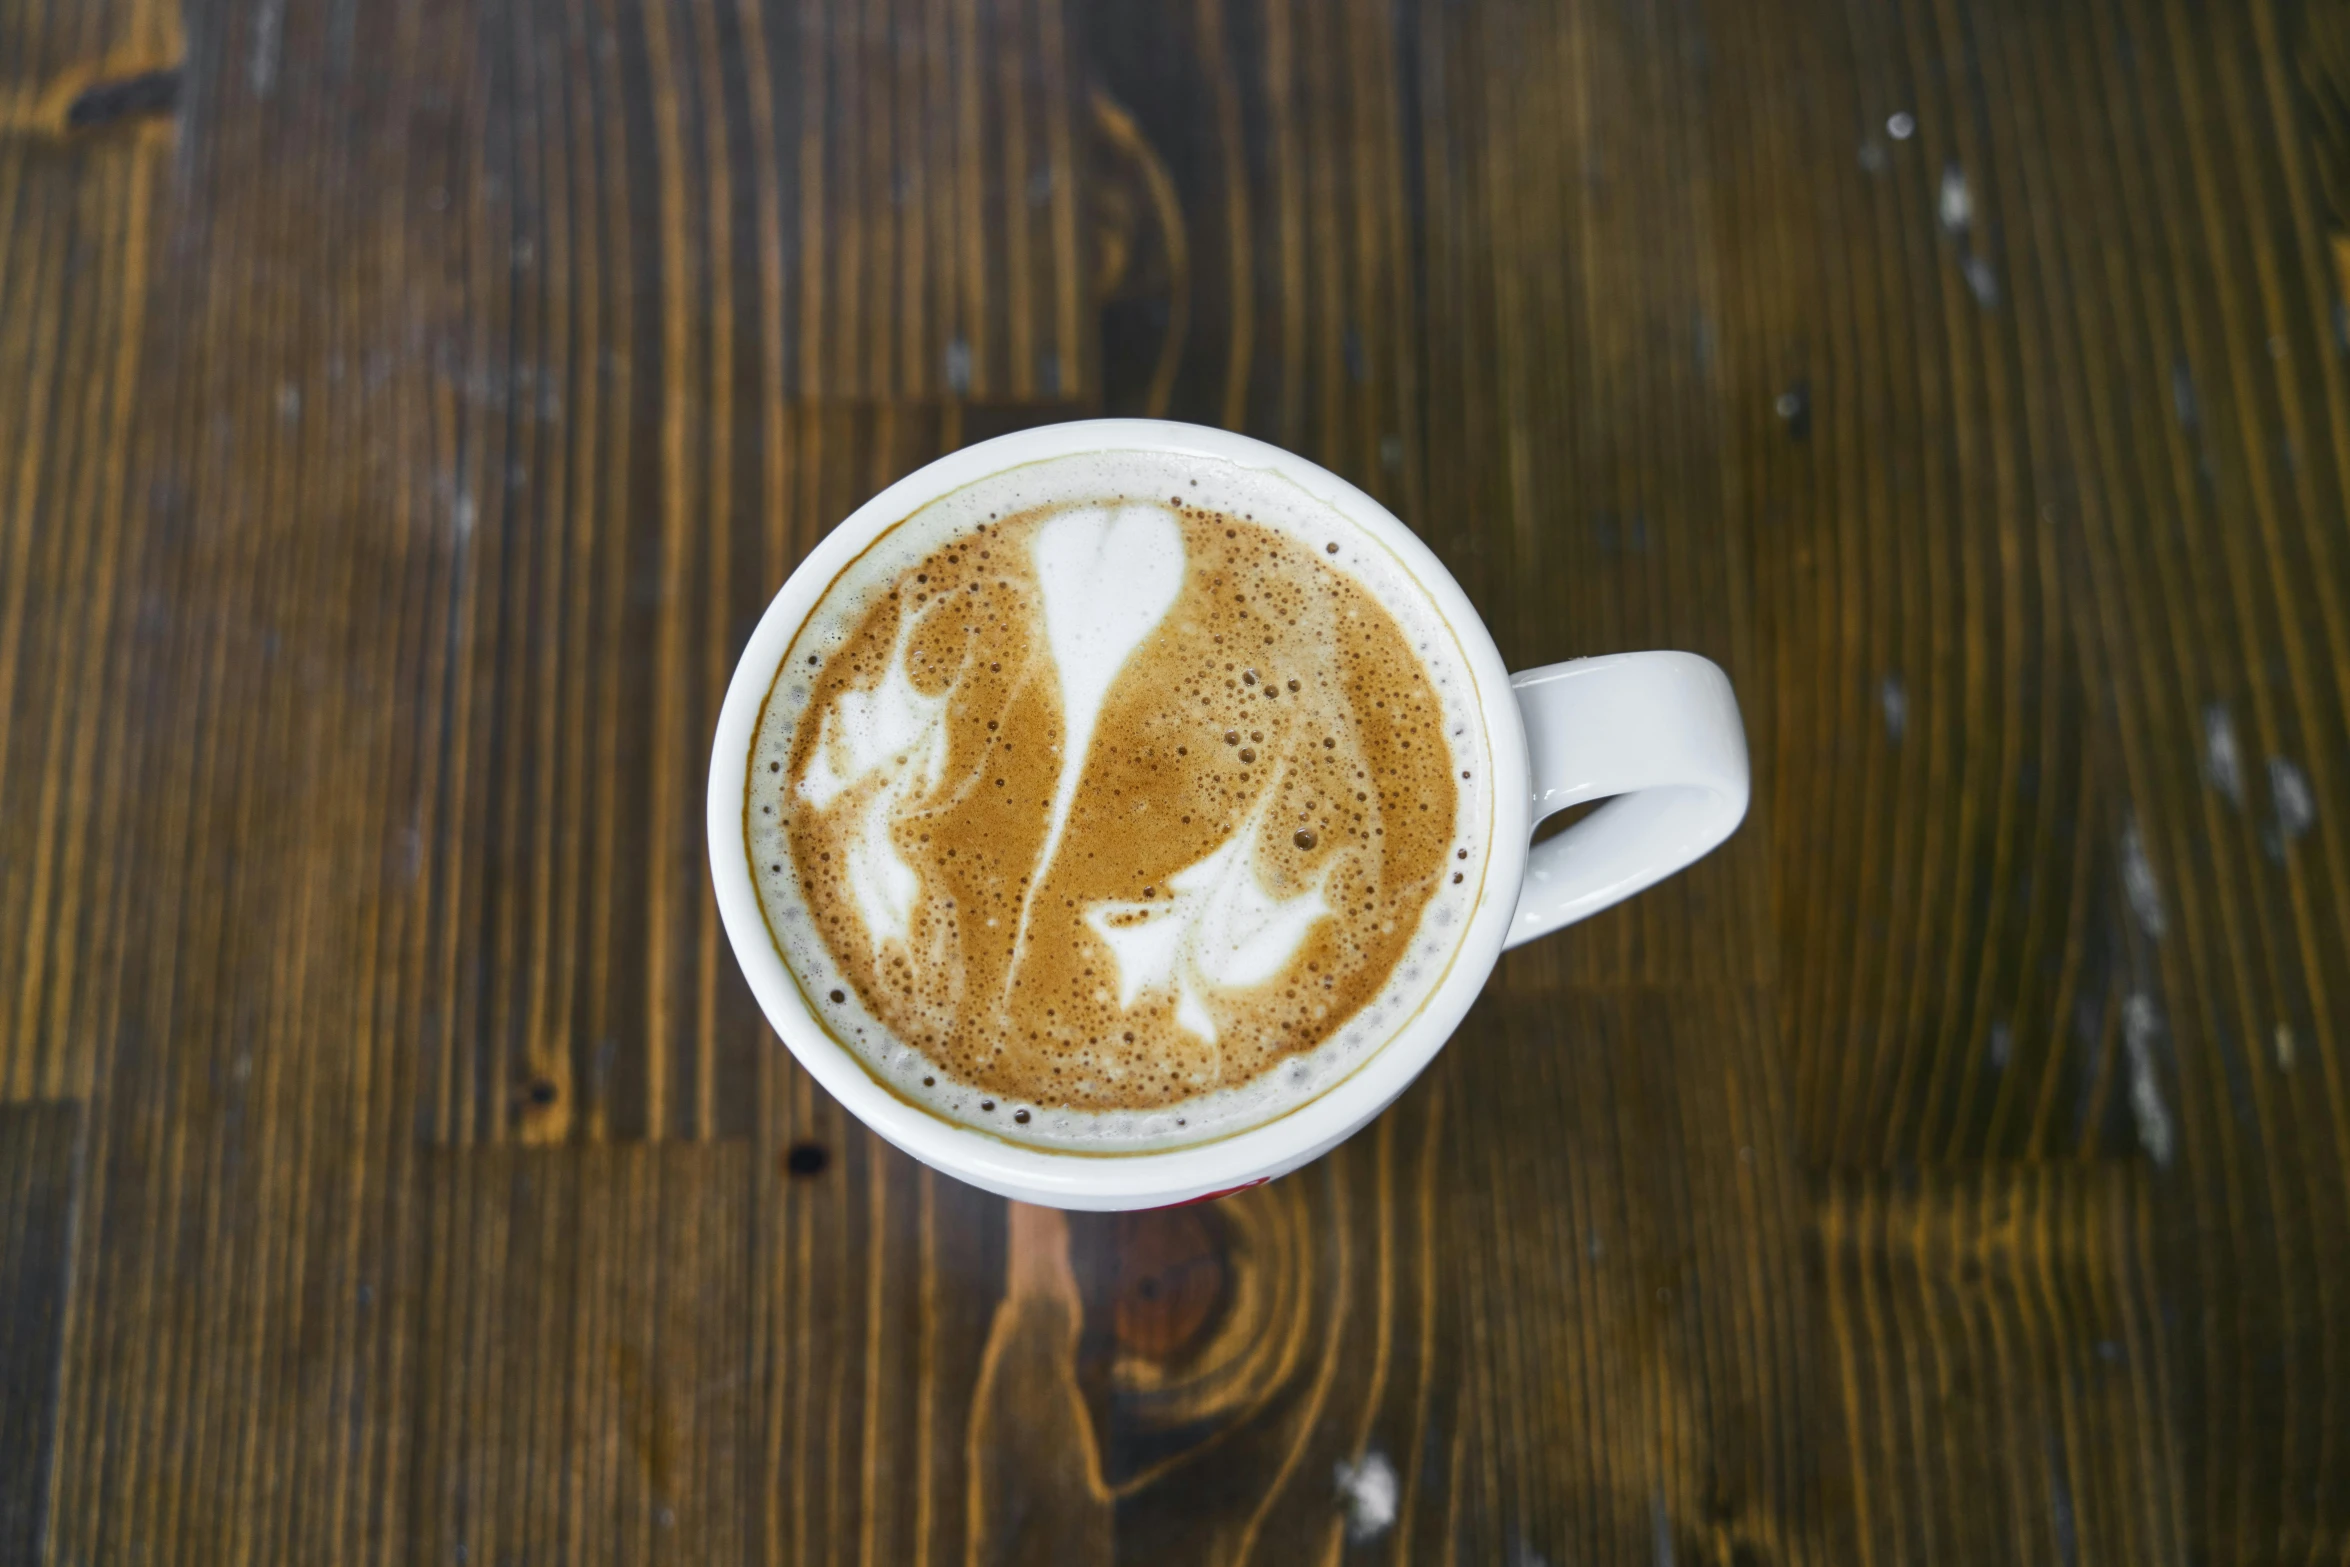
(2002, 1047)
(1872, 156)
(1955, 206)
(2139, 884)
(2141, 1026)
(1900, 126)
(268, 23)
(1391, 451)
(464, 516)
(289, 401)
(2296, 806)
(1981, 281)
(958, 367)
(2223, 763)
(2285, 1047)
(1787, 405)
(1368, 1491)
(1893, 698)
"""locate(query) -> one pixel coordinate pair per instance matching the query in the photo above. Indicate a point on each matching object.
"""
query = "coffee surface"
(1082, 820)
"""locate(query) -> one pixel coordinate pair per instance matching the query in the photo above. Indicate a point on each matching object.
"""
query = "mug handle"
(1659, 732)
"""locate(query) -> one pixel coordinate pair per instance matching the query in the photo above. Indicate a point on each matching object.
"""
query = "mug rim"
(1072, 1178)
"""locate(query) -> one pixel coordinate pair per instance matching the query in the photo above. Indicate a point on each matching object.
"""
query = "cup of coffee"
(1122, 813)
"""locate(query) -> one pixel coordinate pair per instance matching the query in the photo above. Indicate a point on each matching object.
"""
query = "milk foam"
(897, 733)
(1105, 568)
(1108, 575)
(1219, 929)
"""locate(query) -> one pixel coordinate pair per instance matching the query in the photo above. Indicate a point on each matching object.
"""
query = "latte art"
(1119, 802)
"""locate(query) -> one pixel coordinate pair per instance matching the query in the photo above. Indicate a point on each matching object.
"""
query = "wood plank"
(238, 1349)
(876, 1285)
(2229, 614)
(37, 1183)
(580, 1356)
(2079, 898)
(1948, 893)
(2002, 1363)
(235, 1366)
(1622, 1218)
(76, 216)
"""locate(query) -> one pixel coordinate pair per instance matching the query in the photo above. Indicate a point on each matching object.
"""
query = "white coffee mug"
(1657, 732)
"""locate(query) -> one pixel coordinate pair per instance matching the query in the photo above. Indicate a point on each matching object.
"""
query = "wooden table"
(406, 407)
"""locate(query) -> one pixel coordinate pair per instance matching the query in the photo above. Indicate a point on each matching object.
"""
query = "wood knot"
(1172, 1280)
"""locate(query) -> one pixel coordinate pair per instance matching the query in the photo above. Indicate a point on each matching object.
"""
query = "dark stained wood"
(2085, 898)
(75, 248)
(2003, 1365)
(582, 1314)
(1622, 526)
(1656, 1387)
(1243, 1360)
(1948, 907)
(879, 1288)
(37, 1144)
(406, 411)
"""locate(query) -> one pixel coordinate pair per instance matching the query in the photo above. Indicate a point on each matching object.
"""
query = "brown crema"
(1275, 725)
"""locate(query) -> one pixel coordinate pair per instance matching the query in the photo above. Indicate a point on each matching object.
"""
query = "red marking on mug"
(1209, 1196)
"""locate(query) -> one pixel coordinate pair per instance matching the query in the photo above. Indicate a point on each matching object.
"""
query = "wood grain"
(75, 249)
(1947, 911)
(2072, 889)
(1643, 1379)
(624, 323)
(2004, 1365)
(877, 1292)
(1573, 263)
(584, 1313)
(1247, 1364)
(406, 411)
(37, 1181)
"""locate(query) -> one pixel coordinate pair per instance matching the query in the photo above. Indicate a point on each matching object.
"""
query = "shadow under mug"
(1655, 735)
